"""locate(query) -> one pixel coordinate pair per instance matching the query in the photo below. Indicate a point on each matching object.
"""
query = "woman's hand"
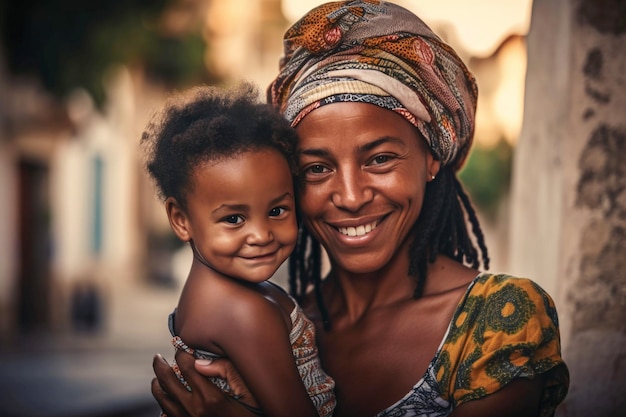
(223, 368)
(205, 399)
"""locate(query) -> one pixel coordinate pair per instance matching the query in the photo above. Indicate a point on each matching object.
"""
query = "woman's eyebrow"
(380, 141)
(362, 148)
(315, 152)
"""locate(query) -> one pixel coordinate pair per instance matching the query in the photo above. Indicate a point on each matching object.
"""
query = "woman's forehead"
(345, 118)
(353, 127)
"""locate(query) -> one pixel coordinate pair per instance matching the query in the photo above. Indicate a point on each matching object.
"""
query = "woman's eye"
(316, 169)
(277, 211)
(234, 219)
(380, 159)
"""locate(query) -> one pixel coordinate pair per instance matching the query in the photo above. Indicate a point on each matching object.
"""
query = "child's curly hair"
(207, 124)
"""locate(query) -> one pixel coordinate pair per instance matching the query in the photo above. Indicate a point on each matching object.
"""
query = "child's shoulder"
(206, 315)
(235, 304)
(276, 299)
(276, 294)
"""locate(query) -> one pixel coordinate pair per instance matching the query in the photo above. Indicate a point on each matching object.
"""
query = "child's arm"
(253, 334)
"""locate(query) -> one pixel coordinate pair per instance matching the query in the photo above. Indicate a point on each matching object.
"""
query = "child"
(222, 163)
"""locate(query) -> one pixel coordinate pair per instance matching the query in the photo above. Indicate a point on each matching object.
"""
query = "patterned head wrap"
(380, 53)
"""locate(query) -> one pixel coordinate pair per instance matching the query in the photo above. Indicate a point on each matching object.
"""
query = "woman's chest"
(376, 364)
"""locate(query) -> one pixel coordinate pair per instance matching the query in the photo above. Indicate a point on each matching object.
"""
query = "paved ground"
(90, 375)
(75, 382)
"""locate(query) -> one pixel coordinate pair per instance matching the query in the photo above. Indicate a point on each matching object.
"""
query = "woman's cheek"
(312, 199)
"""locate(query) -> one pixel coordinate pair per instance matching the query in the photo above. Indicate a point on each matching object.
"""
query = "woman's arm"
(516, 368)
(520, 398)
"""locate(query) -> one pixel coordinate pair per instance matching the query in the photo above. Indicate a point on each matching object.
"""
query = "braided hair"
(441, 229)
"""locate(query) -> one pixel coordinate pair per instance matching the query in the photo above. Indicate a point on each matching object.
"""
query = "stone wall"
(569, 191)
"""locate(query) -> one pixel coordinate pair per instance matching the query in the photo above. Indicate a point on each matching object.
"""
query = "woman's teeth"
(359, 230)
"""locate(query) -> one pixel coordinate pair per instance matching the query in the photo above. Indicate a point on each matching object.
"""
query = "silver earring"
(432, 177)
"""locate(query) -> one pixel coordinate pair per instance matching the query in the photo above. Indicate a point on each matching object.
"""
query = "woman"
(406, 324)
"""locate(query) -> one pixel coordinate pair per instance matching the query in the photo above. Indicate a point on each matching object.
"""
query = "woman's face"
(363, 171)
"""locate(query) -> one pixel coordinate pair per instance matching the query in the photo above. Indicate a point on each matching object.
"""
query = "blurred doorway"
(34, 251)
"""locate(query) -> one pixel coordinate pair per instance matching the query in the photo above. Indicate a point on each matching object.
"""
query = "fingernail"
(203, 362)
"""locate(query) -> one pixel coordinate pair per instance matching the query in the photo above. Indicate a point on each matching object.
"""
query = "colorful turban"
(379, 53)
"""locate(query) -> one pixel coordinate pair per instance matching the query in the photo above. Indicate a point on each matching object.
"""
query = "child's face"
(241, 214)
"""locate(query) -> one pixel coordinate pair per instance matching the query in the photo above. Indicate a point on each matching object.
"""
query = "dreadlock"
(441, 229)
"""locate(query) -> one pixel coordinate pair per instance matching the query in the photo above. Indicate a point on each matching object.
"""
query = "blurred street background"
(89, 269)
(88, 373)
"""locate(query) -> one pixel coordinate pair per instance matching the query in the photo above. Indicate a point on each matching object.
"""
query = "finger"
(168, 380)
(168, 406)
(238, 386)
(224, 369)
(208, 391)
(212, 367)
(186, 364)
(206, 395)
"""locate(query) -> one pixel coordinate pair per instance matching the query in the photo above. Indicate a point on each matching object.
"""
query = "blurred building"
(31, 126)
(80, 224)
(79, 221)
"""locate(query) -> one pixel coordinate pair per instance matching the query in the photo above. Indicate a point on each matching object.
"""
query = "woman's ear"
(178, 219)
(434, 167)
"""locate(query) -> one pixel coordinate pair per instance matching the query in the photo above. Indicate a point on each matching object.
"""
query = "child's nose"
(260, 234)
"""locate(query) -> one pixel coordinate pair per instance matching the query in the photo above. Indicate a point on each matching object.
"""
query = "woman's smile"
(363, 173)
(360, 230)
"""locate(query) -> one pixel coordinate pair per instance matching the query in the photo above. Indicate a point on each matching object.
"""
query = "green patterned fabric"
(505, 328)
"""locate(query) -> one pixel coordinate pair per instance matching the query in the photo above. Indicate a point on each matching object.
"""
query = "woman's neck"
(355, 294)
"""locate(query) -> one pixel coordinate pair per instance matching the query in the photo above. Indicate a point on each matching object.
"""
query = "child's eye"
(234, 219)
(277, 211)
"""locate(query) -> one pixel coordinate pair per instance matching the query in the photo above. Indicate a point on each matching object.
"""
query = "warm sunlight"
(476, 30)
(480, 24)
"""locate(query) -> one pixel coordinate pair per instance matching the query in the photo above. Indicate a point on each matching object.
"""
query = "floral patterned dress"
(504, 328)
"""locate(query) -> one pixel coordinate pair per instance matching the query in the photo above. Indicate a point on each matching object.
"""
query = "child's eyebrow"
(232, 207)
(282, 197)
(245, 207)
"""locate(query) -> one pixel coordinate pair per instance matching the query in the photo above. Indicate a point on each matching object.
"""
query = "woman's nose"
(352, 191)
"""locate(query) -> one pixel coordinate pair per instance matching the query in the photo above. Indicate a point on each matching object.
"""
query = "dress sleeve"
(505, 328)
